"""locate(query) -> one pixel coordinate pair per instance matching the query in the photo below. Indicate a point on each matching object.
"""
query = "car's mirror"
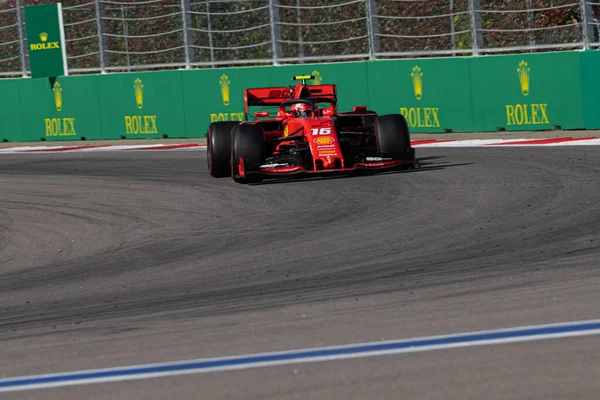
(261, 114)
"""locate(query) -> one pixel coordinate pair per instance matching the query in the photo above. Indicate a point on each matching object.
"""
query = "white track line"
(202, 147)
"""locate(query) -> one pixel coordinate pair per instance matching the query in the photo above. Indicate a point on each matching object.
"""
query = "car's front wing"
(282, 170)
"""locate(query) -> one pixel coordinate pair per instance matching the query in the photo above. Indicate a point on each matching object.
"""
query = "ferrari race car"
(305, 134)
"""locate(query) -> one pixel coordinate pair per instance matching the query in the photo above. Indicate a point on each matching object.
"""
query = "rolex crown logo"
(318, 78)
(417, 79)
(524, 77)
(43, 36)
(139, 93)
(224, 82)
(58, 102)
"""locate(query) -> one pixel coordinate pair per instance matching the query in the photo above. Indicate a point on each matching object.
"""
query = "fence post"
(126, 34)
(476, 34)
(210, 37)
(101, 27)
(452, 28)
(22, 38)
(275, 30)
(372, 28)
(587, 30)
(300, 37)
(188, 38)
(530, 23)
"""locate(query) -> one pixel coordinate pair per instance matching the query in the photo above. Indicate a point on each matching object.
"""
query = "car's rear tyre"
(248, 143)
(218, 148)
(393, 138)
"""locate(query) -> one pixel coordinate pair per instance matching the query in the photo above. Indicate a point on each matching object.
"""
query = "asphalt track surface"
(116, 259)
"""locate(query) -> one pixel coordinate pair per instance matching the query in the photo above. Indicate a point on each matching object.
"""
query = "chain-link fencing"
(125, 35)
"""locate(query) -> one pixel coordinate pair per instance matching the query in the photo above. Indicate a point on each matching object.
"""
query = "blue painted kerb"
(300, 355)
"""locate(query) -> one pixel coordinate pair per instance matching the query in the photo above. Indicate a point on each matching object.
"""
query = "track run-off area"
(134, 274)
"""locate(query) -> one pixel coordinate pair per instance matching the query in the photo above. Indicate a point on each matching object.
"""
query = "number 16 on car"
(321, 131)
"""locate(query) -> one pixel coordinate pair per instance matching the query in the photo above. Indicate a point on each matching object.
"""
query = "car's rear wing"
(276, 95)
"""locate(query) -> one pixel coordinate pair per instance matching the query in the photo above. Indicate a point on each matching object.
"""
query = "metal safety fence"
(125, 35)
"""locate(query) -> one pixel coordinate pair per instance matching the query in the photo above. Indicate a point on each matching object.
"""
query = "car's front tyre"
(247, 153)
(393, 138)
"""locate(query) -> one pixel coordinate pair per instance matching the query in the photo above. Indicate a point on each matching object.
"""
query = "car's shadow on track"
(424, 164)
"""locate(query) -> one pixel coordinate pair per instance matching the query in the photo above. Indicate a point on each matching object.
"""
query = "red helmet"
(302, 109)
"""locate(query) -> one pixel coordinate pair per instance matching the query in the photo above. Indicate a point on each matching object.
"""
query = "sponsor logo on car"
(327, 153)
(371, 159)
(279, 93)
(324, 140)
(275, 165)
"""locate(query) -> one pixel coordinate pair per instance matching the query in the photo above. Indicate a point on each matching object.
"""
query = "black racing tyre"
(248, 143)
(393, 138)
(218, 148)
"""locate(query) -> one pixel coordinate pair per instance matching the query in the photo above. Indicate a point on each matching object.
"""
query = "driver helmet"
(302, 109)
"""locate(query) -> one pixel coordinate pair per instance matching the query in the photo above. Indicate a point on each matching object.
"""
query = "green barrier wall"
(527, 92)
(590, 88)
(145, 105)
(69, 111)
(11, 127)
(433, 94)
(216, 95)
(516, 92)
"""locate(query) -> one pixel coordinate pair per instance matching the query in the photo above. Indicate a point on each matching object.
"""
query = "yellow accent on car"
(302, 77)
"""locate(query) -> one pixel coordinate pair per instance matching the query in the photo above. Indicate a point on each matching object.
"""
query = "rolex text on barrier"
(526, 114)
(527, 92)
(420, 117)
(59, 126)
(433, 95)
(140, 124)
(69, 110)
(145, 105)
(46, 40)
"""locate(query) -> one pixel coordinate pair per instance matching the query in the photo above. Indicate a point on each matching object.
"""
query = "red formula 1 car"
(305, 134)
